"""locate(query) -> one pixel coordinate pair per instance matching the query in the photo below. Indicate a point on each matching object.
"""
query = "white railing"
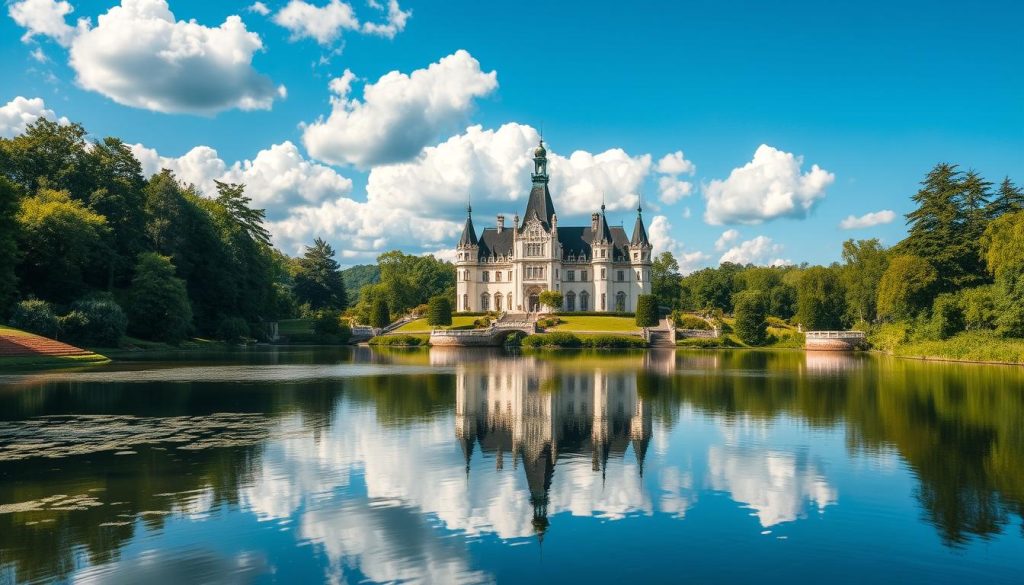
(364, 330)
(835, 335)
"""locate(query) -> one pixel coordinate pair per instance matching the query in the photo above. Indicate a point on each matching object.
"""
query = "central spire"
(540, 205)
(540, 164)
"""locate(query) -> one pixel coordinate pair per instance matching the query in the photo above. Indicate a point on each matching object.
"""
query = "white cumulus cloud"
(276, 179)
(399, 113)
(659, 232)
(726, 239)
(325, 24)
(670, 187)
(768, 187)
(18, 113)
(868, 220)
(44, 18)
(259, 8)
(760, 251)
(139, 55)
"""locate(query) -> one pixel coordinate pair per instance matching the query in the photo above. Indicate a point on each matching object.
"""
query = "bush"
(400, 340)
(699, 342)
(890, 336)
(35, 316)
(692, 322)
(482, 323)
(327, 322)
(605, 341)
(515, 339)
(776, 322)
(979, 307)
(551, 299)
(439, 311)
(95, 321)
(646, 311)
(549, 322)
(232, 329)
(947, 317)
(73, 327)
(379, 314)
(555, 339)
(751, 312)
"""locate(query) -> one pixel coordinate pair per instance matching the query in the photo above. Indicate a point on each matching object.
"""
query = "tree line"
(961, 267)
(91, 249)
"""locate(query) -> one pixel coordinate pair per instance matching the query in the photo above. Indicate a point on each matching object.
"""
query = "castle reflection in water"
(535, 414)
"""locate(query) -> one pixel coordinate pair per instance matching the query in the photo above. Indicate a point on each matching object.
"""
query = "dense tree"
(158, 306)
(59, 238)
(751, 312)
(380, 316)
(1008, 199)
(710, 288)
(410, 281)
(116, 193)
(646, 311)
(864, 263)
(1003, 245)
(47, 154)
(906, 288)
(947, 317)
(8, 245)
(318, 279)
(440, 311)
(946, 226)
(665, 280)
(821, 303)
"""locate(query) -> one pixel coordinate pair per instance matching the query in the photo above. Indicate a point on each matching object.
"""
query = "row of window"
(500, 302)
(485, 302)
(537, 273)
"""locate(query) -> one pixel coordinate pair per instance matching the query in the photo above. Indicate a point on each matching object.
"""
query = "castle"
(596, 267)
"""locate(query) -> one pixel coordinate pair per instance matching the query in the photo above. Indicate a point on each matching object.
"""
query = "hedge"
(646, 311)
(567, 340)
(439, 311)
(400, 340)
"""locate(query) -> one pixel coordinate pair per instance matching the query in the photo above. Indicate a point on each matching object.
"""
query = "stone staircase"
(659, 338)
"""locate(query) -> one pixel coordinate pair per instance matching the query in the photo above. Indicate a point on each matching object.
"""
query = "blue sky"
(873, 93)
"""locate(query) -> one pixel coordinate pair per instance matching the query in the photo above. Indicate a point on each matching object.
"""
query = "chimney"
(501, 223)
(593, 221)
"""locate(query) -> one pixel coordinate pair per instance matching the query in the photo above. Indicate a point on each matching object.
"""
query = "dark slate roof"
(498, 244)
(639, 232)
(540, 202)
(468, 234)
(577, 240)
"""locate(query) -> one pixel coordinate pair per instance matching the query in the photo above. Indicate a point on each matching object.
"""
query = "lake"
(355, 465)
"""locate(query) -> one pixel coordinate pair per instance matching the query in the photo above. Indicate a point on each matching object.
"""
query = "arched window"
(485, 302)
(465, 302)
(584, 301)
(570, 301)
(620, 301)
(497, 301)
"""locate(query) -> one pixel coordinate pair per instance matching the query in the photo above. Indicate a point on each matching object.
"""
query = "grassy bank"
(421, 325)
(969, 346)
(401, 340)
(573, 323)
(564, 339)
(46, 361)
(780, 336)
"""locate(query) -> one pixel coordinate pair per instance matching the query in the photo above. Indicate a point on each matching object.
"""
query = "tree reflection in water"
(364, 439)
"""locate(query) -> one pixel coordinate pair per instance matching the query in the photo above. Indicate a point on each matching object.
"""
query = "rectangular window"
(602, 301)
(602, 253)
(583, 275)
(510, 279)
(603, 276)
(619, 276)
(497, 276)
(570, 275)
(487, 276)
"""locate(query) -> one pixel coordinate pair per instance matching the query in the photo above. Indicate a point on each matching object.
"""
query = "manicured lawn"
(421, 326)
(595, 323)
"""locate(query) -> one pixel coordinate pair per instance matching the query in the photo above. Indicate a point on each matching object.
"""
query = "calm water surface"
(355, 465)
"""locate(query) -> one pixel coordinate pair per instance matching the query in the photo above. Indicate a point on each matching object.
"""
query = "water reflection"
(436, 466)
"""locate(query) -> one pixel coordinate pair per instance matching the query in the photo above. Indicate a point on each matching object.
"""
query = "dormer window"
(602, 253)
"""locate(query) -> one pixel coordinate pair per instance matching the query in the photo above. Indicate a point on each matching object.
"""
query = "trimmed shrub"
(439, 311)
(555, 339)
(232, 329)
(646, 311)
(751, 312)
(400, 340)
(379, 314)
(482, 323)
(35, 316)
(100, 322)
(613, 341)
